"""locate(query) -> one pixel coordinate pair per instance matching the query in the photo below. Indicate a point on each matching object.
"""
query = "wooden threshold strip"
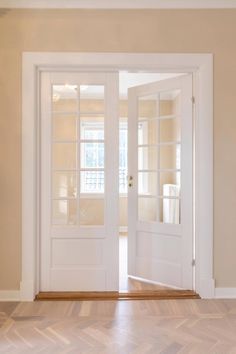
(113, 295)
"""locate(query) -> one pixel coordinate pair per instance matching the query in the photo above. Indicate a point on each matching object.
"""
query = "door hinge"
(193, 100)
(193, 263)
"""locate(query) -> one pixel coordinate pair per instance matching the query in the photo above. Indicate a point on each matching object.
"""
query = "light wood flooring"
(119, 327)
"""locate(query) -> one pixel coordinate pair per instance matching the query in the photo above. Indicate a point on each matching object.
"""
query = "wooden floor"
(113, 327)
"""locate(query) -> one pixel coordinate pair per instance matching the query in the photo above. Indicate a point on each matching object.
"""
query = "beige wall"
(199, 31)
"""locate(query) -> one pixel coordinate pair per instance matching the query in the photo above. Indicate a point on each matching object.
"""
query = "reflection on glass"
(64, 185)
(92, 155)
(92, 128)
(147, 183)
(148, 107)
(64, 212)
(170, 130)
(169, 184)
(148, 158)
(64, 128)
(170, 103)
(92, 182)
(64, 98)
(92, 98)
(147, 209)
(64, 156)
(170, 156)
(91, 211)
(170, 211)
(148, 132)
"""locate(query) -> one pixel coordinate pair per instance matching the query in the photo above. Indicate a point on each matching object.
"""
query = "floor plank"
(127, 327)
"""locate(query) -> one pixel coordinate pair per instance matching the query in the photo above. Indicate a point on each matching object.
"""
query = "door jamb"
(200, 65)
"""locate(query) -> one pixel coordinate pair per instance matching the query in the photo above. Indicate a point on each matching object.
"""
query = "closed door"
(79, 182)
(160, 196)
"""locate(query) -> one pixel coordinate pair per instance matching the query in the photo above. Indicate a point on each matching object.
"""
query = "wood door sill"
(113, 295)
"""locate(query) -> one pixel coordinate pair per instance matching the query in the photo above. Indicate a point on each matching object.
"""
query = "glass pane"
(170, 156)
(170, 211)
(148, 107)
(91, 211)
(169, 130)
(64, 185)
(64, 156)
(170, 103)
(64, 128)
(147, 209)
(148, 158)
(169, 184)
(148, 132)
(64, 98)
(147, 183)
(92, 98)
(92, 128)
(92, 155)
(92, 182)
(64, 212)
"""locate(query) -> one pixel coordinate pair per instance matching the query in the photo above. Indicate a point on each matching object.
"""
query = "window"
(92, 157)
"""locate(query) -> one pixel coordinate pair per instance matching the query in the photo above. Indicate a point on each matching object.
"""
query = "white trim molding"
(118, 4)
(225, 293)
(200, 66)
(9, 295)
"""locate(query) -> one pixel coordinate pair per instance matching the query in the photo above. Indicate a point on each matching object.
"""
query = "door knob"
(130, 179)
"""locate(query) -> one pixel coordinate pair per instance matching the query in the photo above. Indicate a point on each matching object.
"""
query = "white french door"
(79, 182)
(160, 195)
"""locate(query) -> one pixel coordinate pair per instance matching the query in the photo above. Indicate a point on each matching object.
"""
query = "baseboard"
(225, 293)
(9, 295)
(123, 229)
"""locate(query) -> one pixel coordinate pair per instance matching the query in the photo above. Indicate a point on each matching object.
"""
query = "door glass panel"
(92, 182)
(91, 211)
(64, 128)
(148, 132)
(170, 156)
(169, 103)
(148, 107)
(92, 128)
(147, 209)
(64, 185)
(64, 212)
(92, 99)
(148, 158)
(65, 98)
(169, 184)
(147, 183)
(64, 156)
(170, 130)
(170, 211)
(92, 155)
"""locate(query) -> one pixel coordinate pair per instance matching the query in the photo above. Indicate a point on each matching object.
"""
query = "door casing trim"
(200, 65)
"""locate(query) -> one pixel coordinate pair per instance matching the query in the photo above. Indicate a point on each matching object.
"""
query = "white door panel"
(79, 182)
(160, 209)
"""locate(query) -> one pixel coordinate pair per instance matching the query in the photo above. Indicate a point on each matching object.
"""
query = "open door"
(79, 182)
(160, 195)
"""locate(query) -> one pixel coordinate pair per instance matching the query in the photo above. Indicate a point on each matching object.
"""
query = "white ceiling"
(119, 4)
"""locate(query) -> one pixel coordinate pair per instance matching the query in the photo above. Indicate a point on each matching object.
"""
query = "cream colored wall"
(188, 31)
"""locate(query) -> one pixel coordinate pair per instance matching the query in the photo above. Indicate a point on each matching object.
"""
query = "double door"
(79, 182)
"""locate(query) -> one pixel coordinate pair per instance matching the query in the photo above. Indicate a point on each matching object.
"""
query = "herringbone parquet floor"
(122, 327)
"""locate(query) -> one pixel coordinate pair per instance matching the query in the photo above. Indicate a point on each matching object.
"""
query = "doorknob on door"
(130, 179)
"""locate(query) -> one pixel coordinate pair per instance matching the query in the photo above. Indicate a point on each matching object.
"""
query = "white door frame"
(200, 65)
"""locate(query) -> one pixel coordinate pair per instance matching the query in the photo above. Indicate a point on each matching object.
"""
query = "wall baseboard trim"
(123, 229)
(9, 295)
(225, 293)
